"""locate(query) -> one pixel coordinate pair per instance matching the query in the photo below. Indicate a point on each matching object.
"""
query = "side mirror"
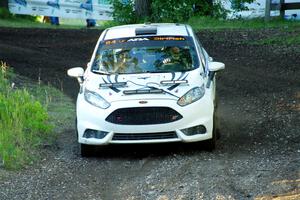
(215, 66)
(76, 72)
(89, 64)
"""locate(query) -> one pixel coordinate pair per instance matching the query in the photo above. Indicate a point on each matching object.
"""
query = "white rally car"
(147, 83)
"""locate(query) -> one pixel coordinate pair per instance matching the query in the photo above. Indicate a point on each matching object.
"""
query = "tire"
(212, 143)
(217, 123)
(76, 131)
(86, 150)
(216, 117)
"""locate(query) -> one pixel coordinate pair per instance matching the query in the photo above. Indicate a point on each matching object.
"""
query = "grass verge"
(202, 23)
(290, 40)
(25, 23)
(208, 23)
(31, 115)
(8, 19)
(197, 22)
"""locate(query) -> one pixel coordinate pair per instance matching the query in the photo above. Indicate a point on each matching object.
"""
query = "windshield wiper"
(152, 87)
(152, 90)
(156, 72)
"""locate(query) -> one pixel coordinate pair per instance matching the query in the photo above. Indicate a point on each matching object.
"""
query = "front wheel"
(86, 150)
(212, 143)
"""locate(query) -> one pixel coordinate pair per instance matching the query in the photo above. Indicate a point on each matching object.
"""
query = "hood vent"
(145, 91)
(148, 30)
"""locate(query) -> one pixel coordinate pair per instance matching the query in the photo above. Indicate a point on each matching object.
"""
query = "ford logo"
(144, 78)
(143, 102)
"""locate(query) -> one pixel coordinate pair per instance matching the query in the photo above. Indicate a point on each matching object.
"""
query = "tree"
(4, 4)
(123, 11)
(204, 7)
(138, 11)
(172, 10)
(143, 8)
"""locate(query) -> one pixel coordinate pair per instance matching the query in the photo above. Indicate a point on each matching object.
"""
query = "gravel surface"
(257, 156)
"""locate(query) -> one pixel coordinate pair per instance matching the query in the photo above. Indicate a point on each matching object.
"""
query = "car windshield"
(145, 55)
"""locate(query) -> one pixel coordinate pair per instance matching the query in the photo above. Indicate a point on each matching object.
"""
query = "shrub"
(167, 10)
(123, 12)
(182, 10)
(23, 124)
(171, 10)
(5, 14)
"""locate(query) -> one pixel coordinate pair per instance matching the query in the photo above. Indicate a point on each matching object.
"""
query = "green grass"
(290, 40)
(208, 23)
(31, 116)
(197, 22)
(60, 107)
(64, 24)
(203, 23)
(25, 23)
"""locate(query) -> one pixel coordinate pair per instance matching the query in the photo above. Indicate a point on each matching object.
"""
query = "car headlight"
(191, 96)
(95, 99)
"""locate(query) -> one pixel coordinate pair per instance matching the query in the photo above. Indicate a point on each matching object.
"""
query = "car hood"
(125, 87)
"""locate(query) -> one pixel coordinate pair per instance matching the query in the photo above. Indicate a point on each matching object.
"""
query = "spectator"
(54, 20)
(46, 19)
(90, 23)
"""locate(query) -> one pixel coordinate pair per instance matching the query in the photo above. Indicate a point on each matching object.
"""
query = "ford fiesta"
(147, 83)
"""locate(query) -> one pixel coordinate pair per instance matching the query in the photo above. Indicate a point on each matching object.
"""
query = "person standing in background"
(90, 23)
(54, 20)
(88, 6)
(55, 6)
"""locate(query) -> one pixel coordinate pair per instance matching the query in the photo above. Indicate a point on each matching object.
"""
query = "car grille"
(143, 116)
(144, 136)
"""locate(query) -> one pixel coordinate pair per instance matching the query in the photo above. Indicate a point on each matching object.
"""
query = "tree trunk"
(211, 4)
(142, 8)
(204, 7)
(4, 3)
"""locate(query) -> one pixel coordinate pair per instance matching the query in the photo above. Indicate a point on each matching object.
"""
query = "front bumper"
(197, 113)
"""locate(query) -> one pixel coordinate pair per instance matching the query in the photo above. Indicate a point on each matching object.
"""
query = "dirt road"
(258, 155)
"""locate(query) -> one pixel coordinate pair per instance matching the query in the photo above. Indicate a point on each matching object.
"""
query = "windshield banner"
(155, 38)
(80, 9)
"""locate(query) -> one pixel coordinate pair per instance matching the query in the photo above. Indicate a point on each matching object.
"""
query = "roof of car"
(161, 29)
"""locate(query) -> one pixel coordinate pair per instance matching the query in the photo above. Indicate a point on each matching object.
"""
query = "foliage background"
(140, 11)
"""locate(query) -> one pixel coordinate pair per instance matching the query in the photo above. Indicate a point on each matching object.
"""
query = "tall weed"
(23, 123)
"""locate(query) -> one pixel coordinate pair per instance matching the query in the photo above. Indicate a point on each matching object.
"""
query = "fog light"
(89, 133)
(194, 130)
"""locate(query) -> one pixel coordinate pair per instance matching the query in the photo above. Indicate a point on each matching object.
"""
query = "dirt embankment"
(258, 155)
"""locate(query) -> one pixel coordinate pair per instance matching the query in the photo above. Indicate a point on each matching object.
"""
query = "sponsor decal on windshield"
(169, 38)
(141, 39)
